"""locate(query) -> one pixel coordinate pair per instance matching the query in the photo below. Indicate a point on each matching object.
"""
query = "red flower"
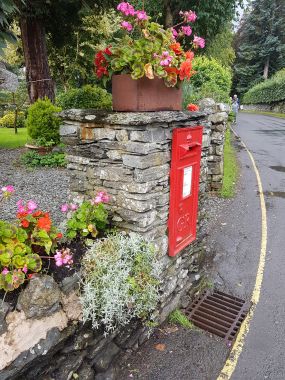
(25, 223)
(192, 107)
(176, 47)
(59, 235)
(189, 54)
(171, 70)
(31, 275)
(186, 69)
(101, 63)
(44, 223)
(21, 215)
(37, 214)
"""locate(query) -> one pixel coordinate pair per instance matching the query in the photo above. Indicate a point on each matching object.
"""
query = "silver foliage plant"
(120, 281)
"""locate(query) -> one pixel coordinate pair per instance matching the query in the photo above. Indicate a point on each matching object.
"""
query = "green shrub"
(211, 80)
(42, 122)
(85, 97)
(269, 91)
(34, 159)
(120, 281)
(8, 120)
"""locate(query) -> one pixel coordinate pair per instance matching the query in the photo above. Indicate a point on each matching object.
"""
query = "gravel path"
(48, 187)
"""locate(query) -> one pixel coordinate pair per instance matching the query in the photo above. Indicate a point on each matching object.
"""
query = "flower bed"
(33, 245)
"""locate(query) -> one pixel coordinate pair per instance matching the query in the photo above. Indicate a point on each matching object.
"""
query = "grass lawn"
(8, 139)
(282, 115)
(230, 168)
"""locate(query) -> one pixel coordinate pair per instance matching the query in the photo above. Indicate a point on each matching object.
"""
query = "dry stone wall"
(128, 155)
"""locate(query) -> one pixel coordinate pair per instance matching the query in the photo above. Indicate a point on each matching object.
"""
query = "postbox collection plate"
(184, 187)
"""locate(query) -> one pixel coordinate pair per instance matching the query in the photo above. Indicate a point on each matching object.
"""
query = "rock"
(4, 308)
(86, 372)
(69, 129)
(69, 366)
(122, 135)
(151, 174)
(104, 358)
(108, 375)
(40, 298)
(207, 104)
(70, 283)
(143, 162)
(218, 118)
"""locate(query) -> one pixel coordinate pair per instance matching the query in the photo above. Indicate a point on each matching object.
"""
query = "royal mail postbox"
(184, 187)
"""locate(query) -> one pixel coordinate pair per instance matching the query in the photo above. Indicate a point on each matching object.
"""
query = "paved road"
(234, 239)
(263, 356)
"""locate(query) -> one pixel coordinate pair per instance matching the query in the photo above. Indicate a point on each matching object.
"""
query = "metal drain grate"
(218, 313)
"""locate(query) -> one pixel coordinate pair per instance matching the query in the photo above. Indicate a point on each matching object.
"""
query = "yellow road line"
(231, 362)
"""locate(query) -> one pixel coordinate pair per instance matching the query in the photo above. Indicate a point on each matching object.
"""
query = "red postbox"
(184, 187)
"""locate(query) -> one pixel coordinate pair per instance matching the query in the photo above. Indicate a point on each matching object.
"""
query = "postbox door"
(184, 187)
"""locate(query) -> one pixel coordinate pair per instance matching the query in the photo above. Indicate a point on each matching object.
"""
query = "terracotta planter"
(41, 150)
(144, 94)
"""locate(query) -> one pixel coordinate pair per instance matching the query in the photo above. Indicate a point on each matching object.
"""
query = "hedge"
(85, 97)
(269, 91)
(211, 80)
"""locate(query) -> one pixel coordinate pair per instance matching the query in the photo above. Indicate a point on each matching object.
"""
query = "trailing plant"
(42, 121)
(87, 218)
(145, 48)
(34, 159)
(269, 91)
(86, 97)
(120, 281)
(8, 120)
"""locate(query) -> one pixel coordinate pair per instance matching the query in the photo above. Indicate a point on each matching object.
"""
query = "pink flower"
(189, 16)
(186, 30)
(174, 33)
(25, 269)
(126, 25)
(32, 206)
(126, 8)
(64, 207)
(141, 15)
(73, 207)
(5, 271)
(199, 42)
(8, 189)
(63, 257)
(166, 59)
(21, 207)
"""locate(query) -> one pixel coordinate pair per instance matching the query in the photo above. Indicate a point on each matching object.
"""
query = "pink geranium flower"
(20, 205)
(73, 207)
(126, 25)
(189, 16)
(186, 30)
(126, 8)
(5, 271)
(64, 207)
(199, 42)
(141, 15)
(63, 257)
(32, 206)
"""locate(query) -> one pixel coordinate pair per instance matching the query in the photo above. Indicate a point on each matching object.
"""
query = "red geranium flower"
(59, 235)
(25, 223)
(186, 69)
(44, 223)
(192, 107)
(21, 215)
(37, 214)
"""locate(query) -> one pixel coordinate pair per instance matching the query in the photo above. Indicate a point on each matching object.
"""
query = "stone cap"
(129, 118)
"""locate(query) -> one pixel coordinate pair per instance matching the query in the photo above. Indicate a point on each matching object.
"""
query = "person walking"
(235, 107)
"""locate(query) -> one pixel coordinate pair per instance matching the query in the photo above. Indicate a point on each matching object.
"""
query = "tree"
(259, 44)
(56, 18)
(213, 15)
(7, 9)
(221, 49)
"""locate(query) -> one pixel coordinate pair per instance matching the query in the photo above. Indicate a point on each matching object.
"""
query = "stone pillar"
(128, 155)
